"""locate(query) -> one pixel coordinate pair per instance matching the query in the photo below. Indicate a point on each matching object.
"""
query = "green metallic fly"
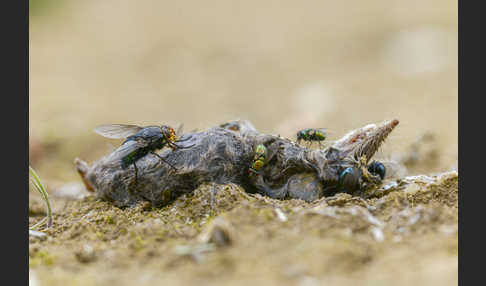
(141, 141)
(312, 135)
(258, 159)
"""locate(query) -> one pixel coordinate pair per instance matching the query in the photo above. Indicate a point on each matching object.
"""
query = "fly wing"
(117, 131)
(179, 134)
(180, 129)
(394, 170)
(325, 130)
(126, 149)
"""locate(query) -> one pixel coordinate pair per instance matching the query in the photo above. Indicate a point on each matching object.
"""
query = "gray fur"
(223, 155)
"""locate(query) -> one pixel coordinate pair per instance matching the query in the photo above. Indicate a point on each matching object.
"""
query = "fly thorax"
(160, 143)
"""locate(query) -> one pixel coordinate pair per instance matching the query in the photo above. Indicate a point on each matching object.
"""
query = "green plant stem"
(42, 190)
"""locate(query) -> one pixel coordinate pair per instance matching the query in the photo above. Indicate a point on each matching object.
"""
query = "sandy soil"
(283, 65)
(406, 235)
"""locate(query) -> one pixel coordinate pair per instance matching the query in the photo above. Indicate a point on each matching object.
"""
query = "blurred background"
(284, 65)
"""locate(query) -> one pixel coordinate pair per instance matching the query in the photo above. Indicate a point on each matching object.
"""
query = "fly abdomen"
(349, 180)
(127, 161)
(257, 165)
(258, 159)
(318, 136)
(129, 138)
(133, 157)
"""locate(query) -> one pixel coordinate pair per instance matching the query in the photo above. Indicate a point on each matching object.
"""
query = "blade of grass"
(42, 190)
(41, 222)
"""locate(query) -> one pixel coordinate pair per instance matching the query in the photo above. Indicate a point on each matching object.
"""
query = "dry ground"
(284, 65)
(404, 236)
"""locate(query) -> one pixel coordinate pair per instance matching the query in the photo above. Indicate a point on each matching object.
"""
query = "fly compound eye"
(168, 132)
(349, 180)
(377, 168)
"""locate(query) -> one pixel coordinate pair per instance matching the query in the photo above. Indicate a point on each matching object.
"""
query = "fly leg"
(162, 159)
(175, 146)
(182, 140)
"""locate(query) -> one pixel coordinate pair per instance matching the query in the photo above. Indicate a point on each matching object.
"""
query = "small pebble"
(219, 231)
(86, 254)
(378, 234)
(35, 233)
(33, 280)
(281, 216)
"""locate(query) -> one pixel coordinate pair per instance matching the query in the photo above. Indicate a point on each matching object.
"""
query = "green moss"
(41, 257)
(109, 220)
(100, 235)
(343, 239)
(138, 243)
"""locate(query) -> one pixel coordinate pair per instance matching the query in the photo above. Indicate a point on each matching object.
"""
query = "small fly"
(349, 179)
(258, 159)
(145, 139)
(312, 135)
